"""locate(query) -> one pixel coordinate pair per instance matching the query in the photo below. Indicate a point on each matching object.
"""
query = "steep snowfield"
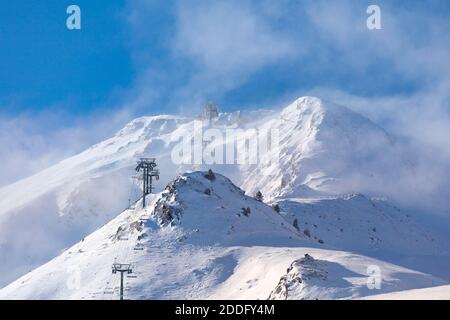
(45, 213)
(202, 237)
(375, 224)
(325, 151)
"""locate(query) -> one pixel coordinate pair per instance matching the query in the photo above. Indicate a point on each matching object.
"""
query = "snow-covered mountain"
(325, 153)
(202, 237)
(327, 149)
(375, 223)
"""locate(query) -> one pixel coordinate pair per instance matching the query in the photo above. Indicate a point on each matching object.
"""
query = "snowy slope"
(375, 224)
(190, 243)
(68, 201)
(327, 149)
(324, 150)
(45, 213)
(434, 293)
(309, 278)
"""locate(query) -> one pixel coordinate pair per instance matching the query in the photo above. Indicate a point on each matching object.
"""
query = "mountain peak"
(303, 105)
(323, 149)
(218, 211)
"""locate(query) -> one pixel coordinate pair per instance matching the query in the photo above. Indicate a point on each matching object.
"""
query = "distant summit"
(211, 112)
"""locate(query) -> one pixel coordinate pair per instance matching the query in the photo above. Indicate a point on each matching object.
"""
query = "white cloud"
(211, 47)
(421, 123)
(32, 142)
(229, 37)
(415, 43)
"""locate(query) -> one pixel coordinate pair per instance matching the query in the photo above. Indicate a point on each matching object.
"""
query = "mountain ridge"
(221, 244)
(71, 199)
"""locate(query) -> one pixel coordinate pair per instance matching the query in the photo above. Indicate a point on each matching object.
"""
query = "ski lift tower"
(148, 168)
(122, 268)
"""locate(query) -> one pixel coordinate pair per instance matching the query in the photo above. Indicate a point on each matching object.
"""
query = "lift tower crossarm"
(122, 268)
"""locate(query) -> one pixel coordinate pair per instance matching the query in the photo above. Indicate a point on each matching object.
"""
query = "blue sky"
(43, 65)
(62, 90)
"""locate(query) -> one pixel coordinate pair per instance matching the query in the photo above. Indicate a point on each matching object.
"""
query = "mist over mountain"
(338, 180)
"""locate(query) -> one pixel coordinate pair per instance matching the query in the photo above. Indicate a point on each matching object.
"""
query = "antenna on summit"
(148, 167)
(211, 112)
